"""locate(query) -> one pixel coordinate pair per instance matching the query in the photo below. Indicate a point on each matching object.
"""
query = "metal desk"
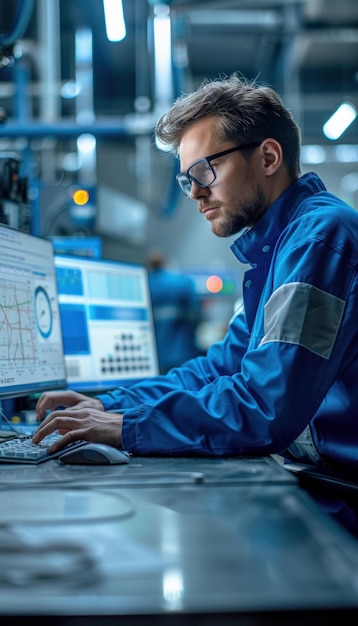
(170, 541)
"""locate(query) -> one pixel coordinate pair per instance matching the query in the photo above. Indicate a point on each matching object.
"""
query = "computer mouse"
(94, 454)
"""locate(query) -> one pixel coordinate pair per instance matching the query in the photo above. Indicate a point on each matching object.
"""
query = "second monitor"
(107, 323)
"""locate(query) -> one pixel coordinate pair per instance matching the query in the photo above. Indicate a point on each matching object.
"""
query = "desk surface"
(170, 541)
(152, 471)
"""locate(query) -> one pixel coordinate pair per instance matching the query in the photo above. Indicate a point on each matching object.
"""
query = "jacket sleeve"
(191, 376)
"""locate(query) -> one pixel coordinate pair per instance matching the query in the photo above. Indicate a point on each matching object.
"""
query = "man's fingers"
(57, 420)
(50, 400)
(69, 437)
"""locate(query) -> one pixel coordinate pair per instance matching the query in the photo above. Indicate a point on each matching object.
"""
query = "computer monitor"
(31, 349)
(107, 323)
(80, 246)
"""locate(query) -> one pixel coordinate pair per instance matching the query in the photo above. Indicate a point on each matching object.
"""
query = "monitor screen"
(80, 246)
(107, 323)
(31, 350)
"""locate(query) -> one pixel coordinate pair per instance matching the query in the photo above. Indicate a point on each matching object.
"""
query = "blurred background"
(78, 105)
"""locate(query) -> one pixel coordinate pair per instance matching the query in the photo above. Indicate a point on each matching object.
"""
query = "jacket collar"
(260, 240)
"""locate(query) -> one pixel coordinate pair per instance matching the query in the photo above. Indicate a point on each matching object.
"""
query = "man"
(284, 379)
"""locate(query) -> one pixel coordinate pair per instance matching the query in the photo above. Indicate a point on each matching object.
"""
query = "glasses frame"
(186, 178)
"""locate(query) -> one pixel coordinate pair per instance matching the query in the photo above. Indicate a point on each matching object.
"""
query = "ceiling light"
(340, 120)
(114, 18)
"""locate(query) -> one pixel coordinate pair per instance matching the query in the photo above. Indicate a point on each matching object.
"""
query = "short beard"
(250, 214)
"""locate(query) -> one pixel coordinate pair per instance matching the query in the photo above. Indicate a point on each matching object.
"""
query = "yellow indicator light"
(80, 196)
(214, 284)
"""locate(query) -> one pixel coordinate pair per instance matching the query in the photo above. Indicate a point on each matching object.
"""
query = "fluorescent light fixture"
(114, 19)
(340, 120)
(162, 55)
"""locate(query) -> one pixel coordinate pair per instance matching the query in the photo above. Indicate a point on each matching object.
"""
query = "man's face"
(236, 198)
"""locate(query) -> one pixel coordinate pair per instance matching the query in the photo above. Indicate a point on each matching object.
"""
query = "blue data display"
(100, 312)
(69, 281)
(75, 331)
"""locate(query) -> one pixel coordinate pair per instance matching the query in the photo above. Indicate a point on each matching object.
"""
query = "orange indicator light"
(214, 284)
(80, 197)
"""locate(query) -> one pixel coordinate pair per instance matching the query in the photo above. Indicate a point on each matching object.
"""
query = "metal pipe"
(49, 62)
(113, 128)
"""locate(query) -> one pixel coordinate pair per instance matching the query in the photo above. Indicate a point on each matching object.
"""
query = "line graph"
(17, 324)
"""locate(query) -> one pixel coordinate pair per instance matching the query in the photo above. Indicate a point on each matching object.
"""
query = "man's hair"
(246, 113)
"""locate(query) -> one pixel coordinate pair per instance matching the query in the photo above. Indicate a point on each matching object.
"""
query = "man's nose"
(198, 192)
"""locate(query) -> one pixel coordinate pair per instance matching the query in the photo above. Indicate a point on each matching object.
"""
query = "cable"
(11, 426)
(22, 18)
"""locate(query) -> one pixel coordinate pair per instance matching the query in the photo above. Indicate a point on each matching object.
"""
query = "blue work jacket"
(286, 374)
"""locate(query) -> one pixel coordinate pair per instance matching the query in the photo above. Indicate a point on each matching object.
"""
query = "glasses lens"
(202, 173)
(184, 183)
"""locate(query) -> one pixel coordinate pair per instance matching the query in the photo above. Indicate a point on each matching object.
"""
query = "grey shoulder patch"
(304, 315)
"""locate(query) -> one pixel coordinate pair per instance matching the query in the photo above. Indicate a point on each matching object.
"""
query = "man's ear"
(272, 153)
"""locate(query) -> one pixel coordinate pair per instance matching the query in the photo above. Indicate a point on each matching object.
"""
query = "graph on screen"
(31, 348)
(17, 339)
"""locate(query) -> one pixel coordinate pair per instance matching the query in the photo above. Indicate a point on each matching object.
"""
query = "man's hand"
(81, 423)
(84, 419)
(50, 400)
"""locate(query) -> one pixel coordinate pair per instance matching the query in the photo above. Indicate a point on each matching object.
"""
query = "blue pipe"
(112, 128)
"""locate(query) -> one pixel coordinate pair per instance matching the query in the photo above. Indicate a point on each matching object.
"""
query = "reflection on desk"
(172, 548)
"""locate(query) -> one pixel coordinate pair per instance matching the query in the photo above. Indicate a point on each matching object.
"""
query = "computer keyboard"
(22, 450)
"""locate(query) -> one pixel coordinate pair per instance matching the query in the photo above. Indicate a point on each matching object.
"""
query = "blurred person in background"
(176, 310)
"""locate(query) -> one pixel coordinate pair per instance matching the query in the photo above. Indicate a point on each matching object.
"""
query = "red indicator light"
(214, 284)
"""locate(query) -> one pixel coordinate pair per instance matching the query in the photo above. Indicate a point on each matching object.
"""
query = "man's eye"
(201, 168)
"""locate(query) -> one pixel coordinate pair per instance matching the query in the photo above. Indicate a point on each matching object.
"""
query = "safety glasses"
(202, 172)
